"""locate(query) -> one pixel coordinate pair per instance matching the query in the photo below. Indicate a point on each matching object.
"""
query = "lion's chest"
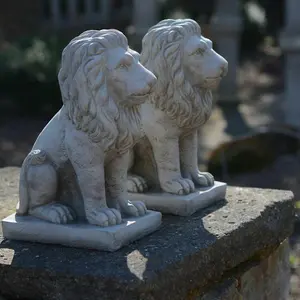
(117, 150)
(110, 155)
(189, 112)
(193, 120)
(202, 117)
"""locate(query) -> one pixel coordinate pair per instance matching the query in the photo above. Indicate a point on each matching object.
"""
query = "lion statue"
(187, 70)
(78, 165)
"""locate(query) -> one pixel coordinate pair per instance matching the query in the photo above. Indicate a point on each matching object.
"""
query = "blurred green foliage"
(28, 74)
(28, 67)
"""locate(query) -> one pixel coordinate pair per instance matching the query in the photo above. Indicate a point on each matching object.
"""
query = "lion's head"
(187, 69)
(101, 81)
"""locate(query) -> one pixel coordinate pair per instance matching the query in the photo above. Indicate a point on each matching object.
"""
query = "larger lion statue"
(78, 165)
(187, 70)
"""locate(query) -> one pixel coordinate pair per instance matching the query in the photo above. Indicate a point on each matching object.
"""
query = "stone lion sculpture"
(78, 165)
(187, 70)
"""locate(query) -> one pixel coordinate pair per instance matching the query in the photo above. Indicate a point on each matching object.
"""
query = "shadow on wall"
(235, 122)
(255, 153)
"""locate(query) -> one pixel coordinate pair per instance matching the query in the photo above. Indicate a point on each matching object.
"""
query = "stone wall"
(268, 280)
(234, 250)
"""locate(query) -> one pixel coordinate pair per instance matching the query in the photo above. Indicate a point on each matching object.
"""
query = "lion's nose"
(152, 81)
(224, 68)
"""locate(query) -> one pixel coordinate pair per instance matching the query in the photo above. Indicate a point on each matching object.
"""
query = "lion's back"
(50, 139)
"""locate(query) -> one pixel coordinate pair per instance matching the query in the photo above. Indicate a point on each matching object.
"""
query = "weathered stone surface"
(269, 280)
(180, 103)
(78, 164)
(182, 205)
(82, 235)
(185, 258)
(226, 290)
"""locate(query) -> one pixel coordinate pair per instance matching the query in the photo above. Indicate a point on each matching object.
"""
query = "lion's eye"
(122, 66)
(199, 51)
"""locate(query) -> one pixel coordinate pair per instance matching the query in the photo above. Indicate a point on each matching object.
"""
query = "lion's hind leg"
(41, 181)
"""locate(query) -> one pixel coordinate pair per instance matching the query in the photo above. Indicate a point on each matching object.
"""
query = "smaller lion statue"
(187, 70)
(77, 168)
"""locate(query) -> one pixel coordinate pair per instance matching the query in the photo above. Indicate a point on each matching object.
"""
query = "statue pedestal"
(80, 235)
(182, 205)
(234, 249)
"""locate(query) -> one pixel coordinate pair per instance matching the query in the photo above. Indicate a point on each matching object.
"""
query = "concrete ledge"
(184, 259)
(183, 205)
(80, 235)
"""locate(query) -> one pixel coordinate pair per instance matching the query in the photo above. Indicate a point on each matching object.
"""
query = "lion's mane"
(162, 49)
(84, 90)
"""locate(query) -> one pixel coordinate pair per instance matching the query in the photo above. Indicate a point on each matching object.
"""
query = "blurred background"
(253, 136)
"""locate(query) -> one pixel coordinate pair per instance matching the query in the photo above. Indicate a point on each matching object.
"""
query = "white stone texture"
(112, 238)
(77, 169)
(183, 205)
(188, 69)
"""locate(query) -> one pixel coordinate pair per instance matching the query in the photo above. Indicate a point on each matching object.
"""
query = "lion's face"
(203, 66)
(127, 79)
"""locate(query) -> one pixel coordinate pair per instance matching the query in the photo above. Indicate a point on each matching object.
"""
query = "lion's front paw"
(134, 208)
(54, 213)
(179, 186)
(104, 217)
(202, 179)
(136, 184)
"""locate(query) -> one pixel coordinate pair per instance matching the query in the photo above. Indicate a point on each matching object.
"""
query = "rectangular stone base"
(182, 260)
(182, 205)
(27, 228)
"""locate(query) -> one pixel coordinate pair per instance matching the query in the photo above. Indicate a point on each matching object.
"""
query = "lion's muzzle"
(221, 67)
(147, 81)
(224, 69)
(140, 97)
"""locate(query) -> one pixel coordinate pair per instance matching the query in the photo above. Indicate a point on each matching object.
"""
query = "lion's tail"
(23, 204)
(35, 157)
